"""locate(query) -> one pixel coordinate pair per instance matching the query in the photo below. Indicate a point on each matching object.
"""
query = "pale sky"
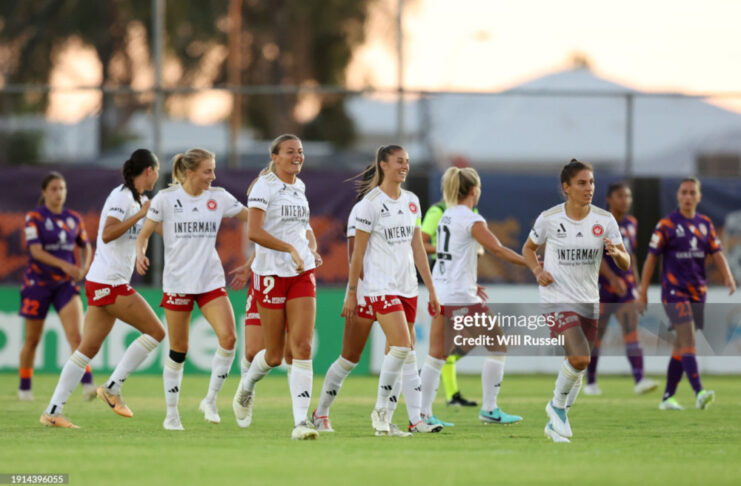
(650, 45)
(653, 45)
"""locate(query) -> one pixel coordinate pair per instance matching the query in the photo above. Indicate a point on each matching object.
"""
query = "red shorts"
(365, 311)
(252, 317)
(273, 292)
(184, 302)
(568, 319)
(99, 294)
(386, 304)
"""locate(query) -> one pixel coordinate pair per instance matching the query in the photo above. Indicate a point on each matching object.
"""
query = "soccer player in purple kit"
(617, 289)
(52, 232)
(684, 238)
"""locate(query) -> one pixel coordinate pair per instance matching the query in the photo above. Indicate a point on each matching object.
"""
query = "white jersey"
(388, 265)
(287, 219)
(573, 254)
(114, 261)
(454, 273)
(360, 293)
(189, 228)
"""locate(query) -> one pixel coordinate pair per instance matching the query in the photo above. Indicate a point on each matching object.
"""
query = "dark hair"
(572, 168)
(692, 179)
(362, 182)
(46, 181)
(137, 163)
(372, 176)
(615, 186)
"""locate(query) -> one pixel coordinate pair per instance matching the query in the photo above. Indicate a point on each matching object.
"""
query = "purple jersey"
(628, 230)
(57, 234)
(684, 244)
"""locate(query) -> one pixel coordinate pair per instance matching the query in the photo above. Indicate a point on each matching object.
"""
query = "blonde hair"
(372, 176)
(457, 184)
(692, 179)
(275, 148)
(189, 160)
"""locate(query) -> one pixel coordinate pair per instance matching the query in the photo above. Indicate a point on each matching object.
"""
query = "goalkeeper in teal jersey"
(429, 237)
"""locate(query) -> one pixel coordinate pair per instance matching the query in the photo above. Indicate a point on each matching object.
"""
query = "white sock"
(411, 385)
(336, 374)
(220, 366)
(390, 371)
(571, 397)
(567, 376)
(430, 378)
(70, 377)
(172, 376)
(491, 381)
(288, 371)
(301, 380)
(257, 372)
(135, 355)
(393, 399)
(244, 367)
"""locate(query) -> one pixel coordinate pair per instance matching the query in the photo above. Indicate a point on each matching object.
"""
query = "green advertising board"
(53, 349)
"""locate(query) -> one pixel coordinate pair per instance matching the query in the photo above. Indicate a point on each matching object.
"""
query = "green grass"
(619, 439)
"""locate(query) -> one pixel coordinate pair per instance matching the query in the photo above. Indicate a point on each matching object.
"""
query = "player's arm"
(313, 247)
(86, 258)
(356, 266)
(39, 254)
(725, 270)
(427, 242)
(489, 241)
(266, 240)
(142, 242)
(616, 282)
(114, 227)
(429, 227)
(423, 266)
(648, 270)
(634, 265)
(618, 253)
(531, 261)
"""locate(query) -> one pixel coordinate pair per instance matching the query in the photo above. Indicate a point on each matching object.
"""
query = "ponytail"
(135, 165)
(188, 161)
(372, 176)
(275, 149)
(457, 184)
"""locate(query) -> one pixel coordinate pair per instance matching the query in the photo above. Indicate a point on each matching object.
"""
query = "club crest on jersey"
(49, 225)
(211, 205)
(71, 222)
(413, 208)
(680, 231)
(703, 229)
(598, 230)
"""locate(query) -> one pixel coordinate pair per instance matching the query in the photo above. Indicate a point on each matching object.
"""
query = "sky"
(650, 45)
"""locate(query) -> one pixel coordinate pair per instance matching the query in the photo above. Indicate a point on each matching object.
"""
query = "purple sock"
(87, 378)
(689, 363)
(592, 368)
(673, 376)
(635, 357)
(25, 384)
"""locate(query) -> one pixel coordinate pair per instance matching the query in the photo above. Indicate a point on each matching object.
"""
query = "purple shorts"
(36, 299)
(682, 312)
(607, 297)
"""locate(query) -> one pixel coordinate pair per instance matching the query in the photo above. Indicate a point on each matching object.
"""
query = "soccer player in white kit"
(459, 234)
(575, 234)
(283, 280)
(190, 212)
(109, 294)
(388, 245)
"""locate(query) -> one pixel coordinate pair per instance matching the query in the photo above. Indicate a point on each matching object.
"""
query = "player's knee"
(228, 341)
(579, 362)
(158, 333)
(31, 342)
(273, 358)
(352, 355)
(301, 350)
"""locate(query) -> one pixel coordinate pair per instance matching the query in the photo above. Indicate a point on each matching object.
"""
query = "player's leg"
(219, 313)
(628, 316)
(98, 325)
(253, 344)
(395, 328)
(687, 349)
(300, 320)
(34, 329)
(492, 376)
(411, 384)
(178, 327)
(604, 319)
(433, 365)
(135, 311)
(357, 330)
(69, 307)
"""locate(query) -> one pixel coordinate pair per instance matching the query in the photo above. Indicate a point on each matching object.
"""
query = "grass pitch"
(618, 438)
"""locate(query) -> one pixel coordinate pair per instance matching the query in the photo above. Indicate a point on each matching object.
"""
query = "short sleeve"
(365, 216)
(539, 232)
(658, 239)
(232, 206)
(633, 236)
(32, 228)
(351, 223)
(259, 196)
(416, 211)
(613, 231)
(714, 245)
(156, 209)
(431, 219)
(119, 202)
(475, 218)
